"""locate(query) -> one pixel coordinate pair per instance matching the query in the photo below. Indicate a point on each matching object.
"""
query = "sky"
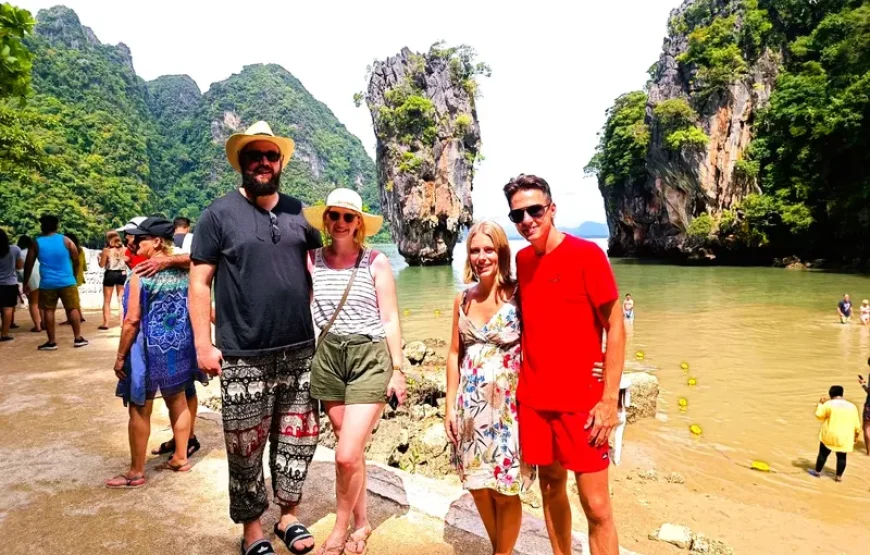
(556, 66)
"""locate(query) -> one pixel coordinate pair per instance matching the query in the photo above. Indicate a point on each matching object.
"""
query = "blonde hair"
(113, 239)
(500, 241)
(359, 238)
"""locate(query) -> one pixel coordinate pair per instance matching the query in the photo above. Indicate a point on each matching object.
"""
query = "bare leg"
(138, 430)
(867, 436)
(75, 318)
(509, 518)
(485, 504)
(50, 324)
(557, 509)
(107, 305)
(360, 518)
(357, 423)
(7, 321)
(595, 499)
(33, 307)
(192, 407)
(179, 416)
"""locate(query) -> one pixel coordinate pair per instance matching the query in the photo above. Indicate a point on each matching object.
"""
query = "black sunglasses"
(256, 155)
(276, 231)
(139, 238)
(348, 217)
(535, 211)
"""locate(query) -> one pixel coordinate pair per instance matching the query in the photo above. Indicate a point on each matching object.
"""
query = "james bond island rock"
(428, 140)
(727, 153)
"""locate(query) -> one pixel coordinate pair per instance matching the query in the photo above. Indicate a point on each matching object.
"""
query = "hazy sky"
(557, 66)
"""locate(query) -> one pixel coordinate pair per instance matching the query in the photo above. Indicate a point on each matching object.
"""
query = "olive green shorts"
(353, 369)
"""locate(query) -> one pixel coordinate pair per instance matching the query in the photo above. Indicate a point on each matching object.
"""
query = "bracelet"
(398, 368)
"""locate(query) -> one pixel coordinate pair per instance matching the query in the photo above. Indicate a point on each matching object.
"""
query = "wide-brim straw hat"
(260, 131)
(349, 200)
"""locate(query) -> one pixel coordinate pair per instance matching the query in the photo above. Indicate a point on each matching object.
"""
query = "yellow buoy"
(683, 402)
(406, 312)
(695, 429)
(760, 466)
(692, 381)
(684, 365)
(437, 313)
(639, 355)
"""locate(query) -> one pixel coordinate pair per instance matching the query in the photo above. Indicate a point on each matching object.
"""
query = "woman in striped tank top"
(358, 362)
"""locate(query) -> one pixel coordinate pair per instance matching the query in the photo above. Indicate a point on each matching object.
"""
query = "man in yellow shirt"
(841, 426)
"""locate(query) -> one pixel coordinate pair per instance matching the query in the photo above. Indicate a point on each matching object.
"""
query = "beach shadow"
(806, 465)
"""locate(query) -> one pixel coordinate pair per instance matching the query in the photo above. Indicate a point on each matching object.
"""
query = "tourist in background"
(115, 274)
(483, 367)
(81, 269)
(844, 309)
(36, 313)
(568, 298)
(156, 354)
(130, 256)
(866, 423)
(10, 262)
(841, 427)
(628, 307)
(262, 295)
(58, 261)
(865, 311)
(182, 238)
(358, 362)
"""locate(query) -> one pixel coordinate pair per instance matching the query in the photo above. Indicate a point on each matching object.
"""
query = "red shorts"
(548, 436)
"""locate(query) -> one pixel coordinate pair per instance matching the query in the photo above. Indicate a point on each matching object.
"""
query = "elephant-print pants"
(268, 396)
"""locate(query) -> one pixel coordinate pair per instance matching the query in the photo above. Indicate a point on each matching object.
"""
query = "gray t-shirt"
(262, 284)
(7, 266)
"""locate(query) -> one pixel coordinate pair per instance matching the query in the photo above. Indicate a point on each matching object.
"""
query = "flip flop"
(169, 447)
(102, 328)
(129, 483)
(355, 542)
(175, 468)
(297, 532)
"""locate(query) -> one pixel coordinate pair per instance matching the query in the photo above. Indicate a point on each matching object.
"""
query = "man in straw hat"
(252, 245)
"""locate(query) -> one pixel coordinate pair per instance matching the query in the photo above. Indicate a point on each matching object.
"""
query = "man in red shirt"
(568, 297)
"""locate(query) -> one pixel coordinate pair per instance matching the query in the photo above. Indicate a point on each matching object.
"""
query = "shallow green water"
(763, 343)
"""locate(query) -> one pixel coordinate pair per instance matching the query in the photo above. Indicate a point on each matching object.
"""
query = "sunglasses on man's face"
(251, 156)
(536, 211)
(139, 238)
(348, 217)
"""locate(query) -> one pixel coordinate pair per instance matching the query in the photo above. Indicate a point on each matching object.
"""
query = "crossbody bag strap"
(342, 301)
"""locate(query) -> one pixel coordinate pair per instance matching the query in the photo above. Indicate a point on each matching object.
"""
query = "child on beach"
(628, 307)
(865, 312)
(841, 427)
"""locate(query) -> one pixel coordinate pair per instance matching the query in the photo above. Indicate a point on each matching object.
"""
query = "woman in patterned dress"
(482, 372)
(156, 354)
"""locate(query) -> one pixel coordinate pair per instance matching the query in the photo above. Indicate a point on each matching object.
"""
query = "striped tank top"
(360, 313)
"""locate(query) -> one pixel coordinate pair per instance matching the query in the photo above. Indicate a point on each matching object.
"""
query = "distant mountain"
(110, 145)
(587, 230)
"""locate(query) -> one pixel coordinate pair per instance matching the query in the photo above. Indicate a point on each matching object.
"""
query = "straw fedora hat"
(347, 199)
(260, 131)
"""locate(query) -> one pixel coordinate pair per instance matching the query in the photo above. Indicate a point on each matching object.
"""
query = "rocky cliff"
(699, 124)
(428, 139)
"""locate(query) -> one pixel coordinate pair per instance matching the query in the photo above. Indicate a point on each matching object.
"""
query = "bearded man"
(252, 245)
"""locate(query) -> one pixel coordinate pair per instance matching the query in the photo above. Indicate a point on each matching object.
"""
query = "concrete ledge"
(453, 505)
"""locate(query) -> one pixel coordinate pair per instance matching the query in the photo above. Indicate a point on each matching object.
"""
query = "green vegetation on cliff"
(809, 160)
(97, 144)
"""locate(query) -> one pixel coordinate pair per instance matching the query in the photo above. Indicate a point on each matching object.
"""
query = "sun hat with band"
(347, 199)
(260, 131)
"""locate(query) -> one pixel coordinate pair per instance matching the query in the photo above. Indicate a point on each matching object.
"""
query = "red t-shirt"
(562, 332)
(135, 259)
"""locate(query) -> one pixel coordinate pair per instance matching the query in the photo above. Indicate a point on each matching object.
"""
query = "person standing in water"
(628, 307)
(841, 427)
(844, 309)
(863, 383)
(865, 312)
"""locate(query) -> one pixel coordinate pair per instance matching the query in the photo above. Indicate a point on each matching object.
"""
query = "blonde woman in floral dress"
(482, 372)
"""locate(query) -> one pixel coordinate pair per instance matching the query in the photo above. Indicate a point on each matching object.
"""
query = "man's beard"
(256, 188)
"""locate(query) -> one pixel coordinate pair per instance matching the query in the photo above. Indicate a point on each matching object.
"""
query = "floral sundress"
(488, 450)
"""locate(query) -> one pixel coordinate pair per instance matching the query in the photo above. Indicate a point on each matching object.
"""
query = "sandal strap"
(292, 534)
(259, 547)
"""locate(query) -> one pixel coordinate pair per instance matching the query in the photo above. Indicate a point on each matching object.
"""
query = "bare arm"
(453, 374)
(104, 257)
(32, 253)
(603, 416)
(151, 266)
(130, 327)
(388, 305)
(199, 301)
(73, 254)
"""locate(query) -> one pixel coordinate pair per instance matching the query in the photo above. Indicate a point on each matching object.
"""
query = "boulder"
(708, 546)
(681, 536)
(415, 352)
(644, 391)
